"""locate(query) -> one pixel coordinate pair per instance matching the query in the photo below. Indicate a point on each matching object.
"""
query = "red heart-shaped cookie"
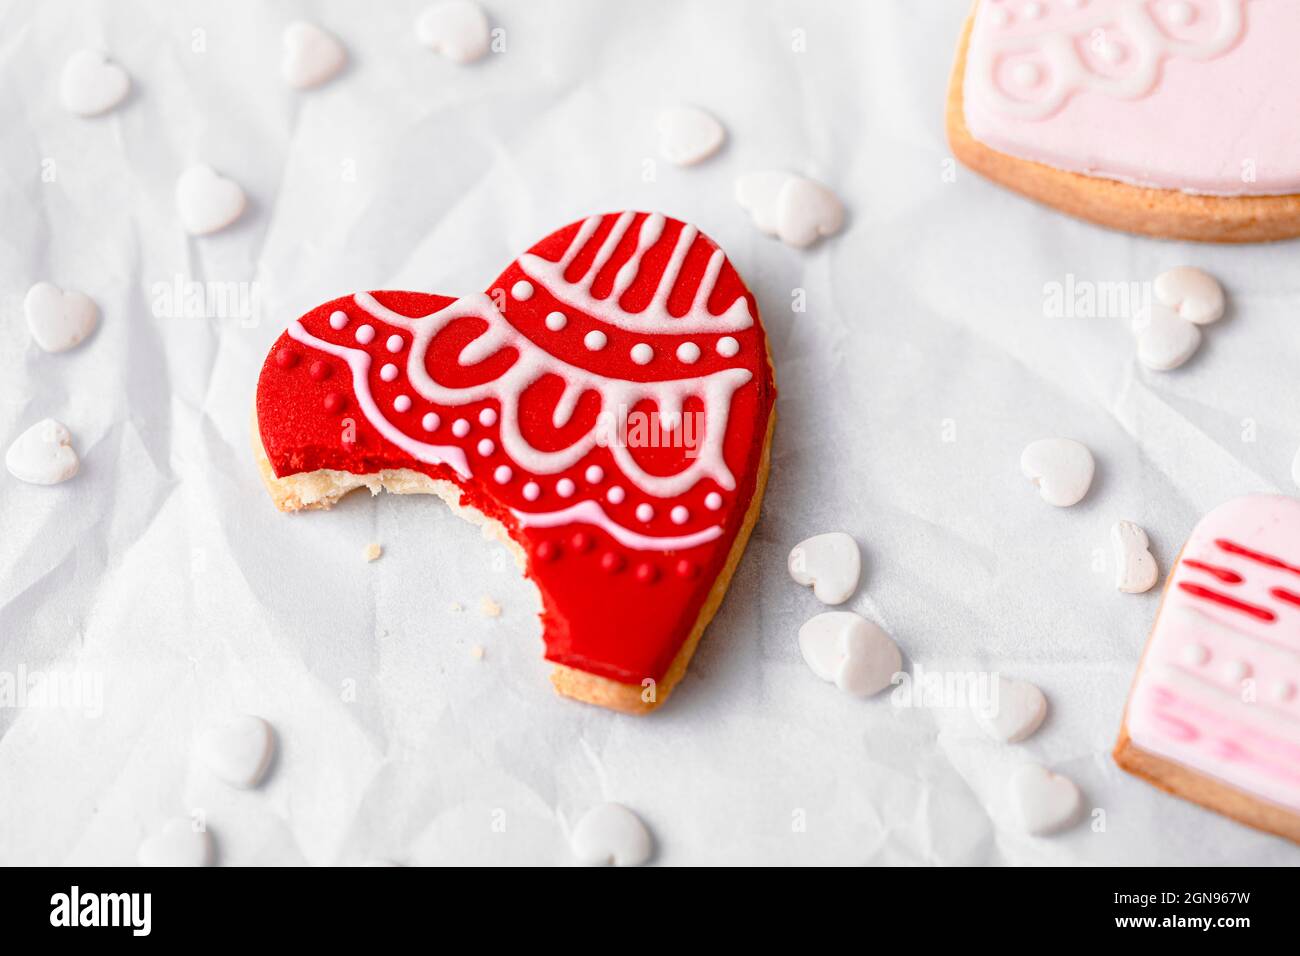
(606, 406)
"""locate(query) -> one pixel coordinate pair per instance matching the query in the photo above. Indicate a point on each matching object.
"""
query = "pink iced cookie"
(1214, 714)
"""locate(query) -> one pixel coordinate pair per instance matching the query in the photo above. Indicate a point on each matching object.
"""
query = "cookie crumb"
(477, 652)
(489, 607)
(373, 551)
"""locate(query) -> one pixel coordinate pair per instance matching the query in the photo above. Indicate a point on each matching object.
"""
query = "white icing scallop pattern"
(1046, 59)
(655, 317)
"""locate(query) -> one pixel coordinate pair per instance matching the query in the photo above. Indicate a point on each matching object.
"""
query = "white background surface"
(164, 569)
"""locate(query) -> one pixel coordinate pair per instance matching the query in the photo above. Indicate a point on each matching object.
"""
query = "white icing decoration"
(394, 343)
(565, 488)
(402, 403)
(388, 372)
(430, 421)
(1135, 567)
(92, 84)
(645, 511)
(1236, 671)
(238, 751)
(555, 321)
(590, 512)
(338, 319)
(595, 340)
(503, 474)
(458, 29)
(850, 651)
(615, 495)
(207, 201)
(1180, 13)
(1061, 468)
(176, 844)
(713, 501)
(642, 353)
(532, 490)
(366, 334)
(487, 417)
(1067, 69)
(688, 352)
(522, 290)
(828, 563)
(618, 397)
(460, 428)
(655, 317)
(688, 135)
(1195, 655)
(486, 446)
(1015, 713)
(1042, 801)
(359, 362)
(1032, 10)
(680, 514)
(59, 320)
(611, 833)
(43, 454)
(311, 55)
(595, 474)
(728, 347)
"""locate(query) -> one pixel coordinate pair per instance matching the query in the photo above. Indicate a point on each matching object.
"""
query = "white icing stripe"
(1192, 614)
(618, 398)
(1258, 714)
(359, 362)
(655, 317)
(590, 512)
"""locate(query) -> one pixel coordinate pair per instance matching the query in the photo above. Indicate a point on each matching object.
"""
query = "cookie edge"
(1141, 210)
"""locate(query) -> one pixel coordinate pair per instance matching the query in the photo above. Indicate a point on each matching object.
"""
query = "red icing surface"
(609, 609)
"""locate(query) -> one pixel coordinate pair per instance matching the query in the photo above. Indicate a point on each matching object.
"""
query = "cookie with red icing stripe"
(1171, 118)
(606, 407)
(1214, 714)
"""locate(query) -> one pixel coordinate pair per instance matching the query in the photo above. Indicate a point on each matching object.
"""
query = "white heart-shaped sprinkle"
(207, 201)
(806, 211)
(847, 649)
(688, 135)
(1060, 467)
(1195, 295)
(238, 750)
(611, 833)
(458, 29)
(43, 455)
(1042, 801)
(92, 84)
(311, 55)
(59, 320)
(176, 844)
(1016, 711)
(1136, 569)
(828, 563)
(1165, 340)
(792, 208)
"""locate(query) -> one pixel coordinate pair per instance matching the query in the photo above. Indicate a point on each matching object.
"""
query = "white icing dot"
(556, 321)
(680, 515)
(595, 340)
(1195, 654)
(1284, 690)
(366, 334)
(999, 17)
(565, 488)
(642, 353)
(503, 474)
(1027, 74)
(402, 403)
(688, 352)
(615, 495)
(1032, 10)
(388, 372)
(430, 421)
(727, 346)
(644, 511)
(1236, 671)
(532, 490)
(486, 446)
(595, 474)
(338, 319)
(522, 290)
(1180, 13)
(395, 343)
(487, 417)
(460, 428)
(1109, 50)
(713, 501)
